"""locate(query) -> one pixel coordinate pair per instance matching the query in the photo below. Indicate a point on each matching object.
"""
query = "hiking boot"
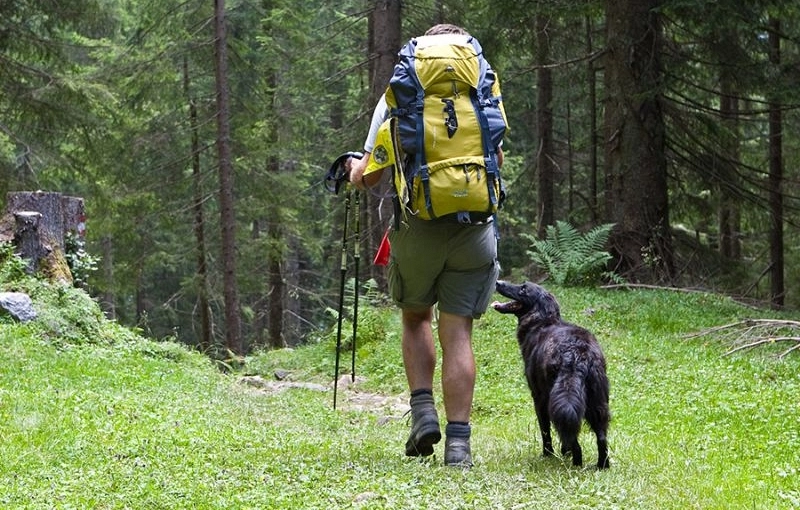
(457, 452)
(424, 427)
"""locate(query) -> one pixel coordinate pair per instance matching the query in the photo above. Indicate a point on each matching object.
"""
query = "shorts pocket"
(488, 290)
(395, 282)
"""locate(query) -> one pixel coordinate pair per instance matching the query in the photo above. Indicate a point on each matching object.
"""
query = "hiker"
(449, 260)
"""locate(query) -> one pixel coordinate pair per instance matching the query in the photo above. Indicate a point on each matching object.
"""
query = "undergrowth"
(572, 258)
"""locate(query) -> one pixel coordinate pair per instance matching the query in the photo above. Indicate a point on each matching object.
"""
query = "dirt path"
(349, 396)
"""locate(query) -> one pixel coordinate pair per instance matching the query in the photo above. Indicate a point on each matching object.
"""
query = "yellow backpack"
(448, 118)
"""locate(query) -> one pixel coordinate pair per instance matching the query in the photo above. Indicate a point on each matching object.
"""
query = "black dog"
(565, 368)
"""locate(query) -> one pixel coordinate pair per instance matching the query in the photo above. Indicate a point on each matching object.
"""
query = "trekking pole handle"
(338, 173)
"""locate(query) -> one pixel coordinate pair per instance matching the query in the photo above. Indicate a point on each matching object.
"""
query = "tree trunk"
(205, 337)
(233, 328)
(544, 129)
(777, 292)
(636, 177)
(384, 43)
(31, 239)
(729, 215)
(109, 299)
(592, 106)
(277, 287)
(141, 297)
(725, 47)
(293, 326)
(256, 338)
(275, 297)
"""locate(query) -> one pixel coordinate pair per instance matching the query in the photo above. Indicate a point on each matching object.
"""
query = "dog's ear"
(547, 308)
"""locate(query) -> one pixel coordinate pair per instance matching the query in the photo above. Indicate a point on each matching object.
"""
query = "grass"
(92, 416)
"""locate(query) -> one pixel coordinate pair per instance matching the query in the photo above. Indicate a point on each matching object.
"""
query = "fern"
(571, 258)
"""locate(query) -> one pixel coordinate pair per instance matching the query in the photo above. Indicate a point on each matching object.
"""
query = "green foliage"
(12, 267)
(572, 258)
(81, 263)
(370, 328)
(6, 150)
(69, 316)
(66, 315)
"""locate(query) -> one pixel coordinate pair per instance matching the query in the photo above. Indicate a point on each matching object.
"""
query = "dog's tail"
(568, 401)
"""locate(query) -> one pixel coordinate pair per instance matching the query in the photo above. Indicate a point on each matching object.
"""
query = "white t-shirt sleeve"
(380, 115)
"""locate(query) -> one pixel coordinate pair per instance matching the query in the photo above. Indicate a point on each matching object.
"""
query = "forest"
(199, 134)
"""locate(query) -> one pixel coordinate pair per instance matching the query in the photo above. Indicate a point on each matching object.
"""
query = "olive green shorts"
(444, 262)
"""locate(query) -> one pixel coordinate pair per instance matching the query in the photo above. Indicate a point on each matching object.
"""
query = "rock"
(347, 381)
(268, 386)
(18, 305)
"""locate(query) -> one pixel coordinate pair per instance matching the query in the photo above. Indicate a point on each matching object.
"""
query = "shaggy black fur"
(565, 368)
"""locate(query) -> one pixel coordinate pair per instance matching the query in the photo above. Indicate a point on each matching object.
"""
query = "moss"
(56, 268)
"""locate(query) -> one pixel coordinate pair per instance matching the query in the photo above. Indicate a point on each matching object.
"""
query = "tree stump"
(37, 223)
(28, 241)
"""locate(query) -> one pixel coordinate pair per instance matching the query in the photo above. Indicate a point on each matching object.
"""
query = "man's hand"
(356, 168)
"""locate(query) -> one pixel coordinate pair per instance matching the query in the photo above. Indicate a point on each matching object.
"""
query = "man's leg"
(458, 365)
(419, 359)
(458, 385)
(419, 352)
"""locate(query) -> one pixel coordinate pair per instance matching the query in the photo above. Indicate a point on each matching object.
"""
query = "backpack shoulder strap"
(407, 62)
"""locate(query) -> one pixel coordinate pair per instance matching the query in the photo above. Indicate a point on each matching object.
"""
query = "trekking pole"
(342, 278)
(336, 176)
(356, 258)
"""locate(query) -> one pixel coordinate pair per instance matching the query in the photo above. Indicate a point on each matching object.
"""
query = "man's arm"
(357, 166)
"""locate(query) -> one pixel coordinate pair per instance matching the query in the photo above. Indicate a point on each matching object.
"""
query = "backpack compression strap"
(489, 151)
(420, 161)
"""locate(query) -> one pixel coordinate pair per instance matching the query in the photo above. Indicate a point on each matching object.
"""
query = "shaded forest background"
(199, 134)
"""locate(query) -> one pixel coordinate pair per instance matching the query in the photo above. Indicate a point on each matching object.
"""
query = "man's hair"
(445, 28)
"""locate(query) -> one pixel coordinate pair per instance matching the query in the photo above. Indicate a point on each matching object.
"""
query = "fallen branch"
(754, 305)
(751, 333)
(650, 287)
(790, 349)
(764, 341)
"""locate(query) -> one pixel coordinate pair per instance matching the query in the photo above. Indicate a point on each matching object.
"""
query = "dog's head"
(528, 299)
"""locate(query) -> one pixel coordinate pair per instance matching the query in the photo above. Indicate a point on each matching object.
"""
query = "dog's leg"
(599, 423)
(570, 446)
(598, 414)
(575, 450)
(543, 416)
(602, 452)
(598, 419)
